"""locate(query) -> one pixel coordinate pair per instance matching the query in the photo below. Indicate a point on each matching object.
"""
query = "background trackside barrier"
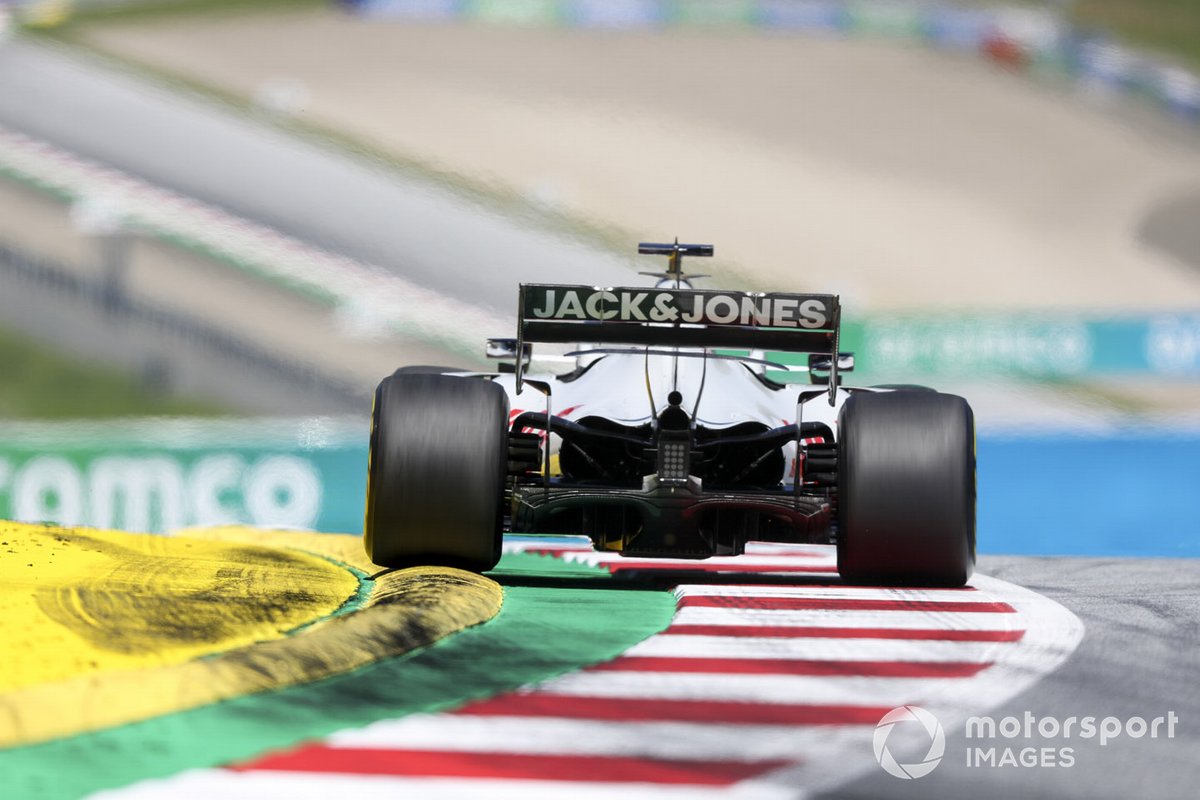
(359, 290)
(160, 475)
(1037, 489)
(1019, 36)
(1019, 345)
(1032, 38)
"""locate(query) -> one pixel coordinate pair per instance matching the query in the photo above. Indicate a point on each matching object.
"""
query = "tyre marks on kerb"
(769, 680)
(109, 628)
(88, 602)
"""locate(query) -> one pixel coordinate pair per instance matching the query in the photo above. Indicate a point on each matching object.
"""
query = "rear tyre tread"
(436, 472)
(906, 489)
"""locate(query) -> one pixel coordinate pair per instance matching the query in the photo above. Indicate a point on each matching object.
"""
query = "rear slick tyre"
(906, 489)
(426, 369)
(436, 471)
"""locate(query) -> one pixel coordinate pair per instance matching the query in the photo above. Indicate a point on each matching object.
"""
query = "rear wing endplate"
(674, 317)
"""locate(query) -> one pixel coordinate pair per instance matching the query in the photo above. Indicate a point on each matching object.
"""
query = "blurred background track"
(184, 322)
(281, 352)
(978, 188)
(352, 194)
(464, 158)
(319, 195)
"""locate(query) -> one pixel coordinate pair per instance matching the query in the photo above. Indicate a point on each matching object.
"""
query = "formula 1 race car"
(659, 444)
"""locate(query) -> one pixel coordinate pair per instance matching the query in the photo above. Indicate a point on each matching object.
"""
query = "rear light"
(674, 457)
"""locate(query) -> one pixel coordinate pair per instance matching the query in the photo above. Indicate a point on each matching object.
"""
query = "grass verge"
(1170, 27)
(37, 382)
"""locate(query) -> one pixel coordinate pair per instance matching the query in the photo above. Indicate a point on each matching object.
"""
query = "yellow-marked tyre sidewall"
(368, 512)
(438, 465)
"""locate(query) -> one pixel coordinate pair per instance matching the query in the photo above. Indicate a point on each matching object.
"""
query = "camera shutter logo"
(931, 726)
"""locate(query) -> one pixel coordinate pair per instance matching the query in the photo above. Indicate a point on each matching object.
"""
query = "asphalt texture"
(418, 229)
(1140, 657)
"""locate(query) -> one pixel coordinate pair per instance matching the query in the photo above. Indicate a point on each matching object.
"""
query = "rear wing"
(676, 317)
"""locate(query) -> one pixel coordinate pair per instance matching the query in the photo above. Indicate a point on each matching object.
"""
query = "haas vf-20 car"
(668, 438)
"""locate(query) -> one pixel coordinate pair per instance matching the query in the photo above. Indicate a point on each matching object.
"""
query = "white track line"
(842, 592)
(810, 649)
(735, 563)
(211, 784)
(775, 689)
(669, 740)
(842, 618)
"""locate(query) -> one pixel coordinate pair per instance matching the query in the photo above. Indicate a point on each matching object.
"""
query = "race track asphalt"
(363, 209)
(1140, 656)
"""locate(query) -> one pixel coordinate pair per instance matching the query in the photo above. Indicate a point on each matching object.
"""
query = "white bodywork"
(615, 388)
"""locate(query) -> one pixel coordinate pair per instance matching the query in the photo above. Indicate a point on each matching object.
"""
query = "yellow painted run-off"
(101, 628)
